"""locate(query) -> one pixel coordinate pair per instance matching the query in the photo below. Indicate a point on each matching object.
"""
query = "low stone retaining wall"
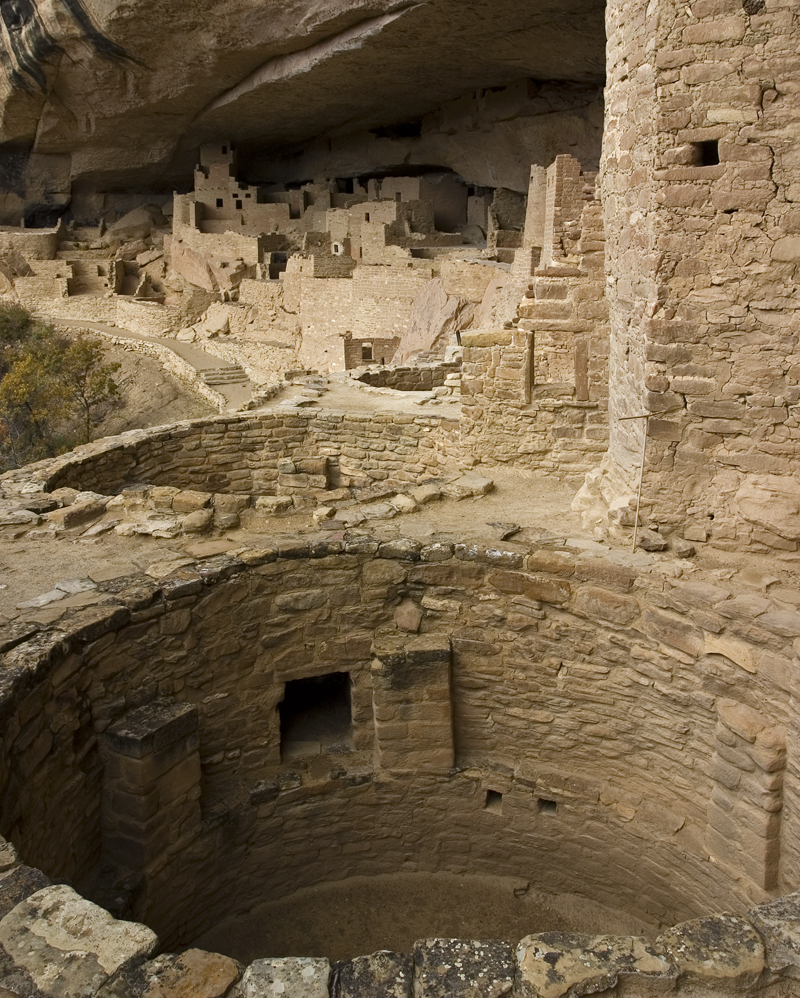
(410, 379)
(137, 315)
(241, 453)
(175, 366)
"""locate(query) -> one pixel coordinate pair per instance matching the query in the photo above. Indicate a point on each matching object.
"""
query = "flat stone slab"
(287, 977)
(193, 974)
(448, 968)
(468, 486)
(557, 964)
(205, 549)
(44, 600)
(378, 511)
(380, 975)
(74, 586)
(65, 946)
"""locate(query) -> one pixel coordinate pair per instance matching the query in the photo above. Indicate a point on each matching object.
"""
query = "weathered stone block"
(381, 975)
(64, 945)
(778, 924)
(191, 974)
(289, 977)
(561, 964)
(449, 968)
(718, 949)
(187, 501)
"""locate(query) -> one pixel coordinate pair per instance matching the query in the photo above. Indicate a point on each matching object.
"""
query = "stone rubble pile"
(166, 511)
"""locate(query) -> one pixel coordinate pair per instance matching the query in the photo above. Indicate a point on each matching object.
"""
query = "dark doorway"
(315, 715)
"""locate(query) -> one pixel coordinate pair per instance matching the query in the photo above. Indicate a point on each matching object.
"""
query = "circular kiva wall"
(243, 454)
(554, 718)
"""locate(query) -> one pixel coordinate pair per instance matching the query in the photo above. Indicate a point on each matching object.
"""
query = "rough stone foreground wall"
(241, 453)
(507, 420)
(704, 260)
(651, 727)
(83, 951)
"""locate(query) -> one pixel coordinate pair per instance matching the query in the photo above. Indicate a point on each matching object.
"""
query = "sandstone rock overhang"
(320, 67)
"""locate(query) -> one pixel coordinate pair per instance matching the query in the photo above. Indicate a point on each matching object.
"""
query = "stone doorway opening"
(316, 716)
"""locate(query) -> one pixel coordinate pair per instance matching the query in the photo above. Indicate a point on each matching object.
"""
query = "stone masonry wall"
(241, 453)
(699, 186)
(410, 379)
(507, 420)
(536, 396)
(629, 712)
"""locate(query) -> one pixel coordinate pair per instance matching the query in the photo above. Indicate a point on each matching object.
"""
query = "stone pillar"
(563, 204)
(412, 703)
(744, 812)
(529, 254)
(151, 783)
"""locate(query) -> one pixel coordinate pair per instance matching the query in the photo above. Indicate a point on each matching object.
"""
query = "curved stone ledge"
(53, 943)
(654, 718)
(241, 453)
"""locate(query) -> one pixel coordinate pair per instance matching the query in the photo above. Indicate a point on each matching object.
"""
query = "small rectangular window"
(219, 202)
(493, 802)
(366, 216)
(366, 351)
(706, 153)
(238, 204)
(546, 806)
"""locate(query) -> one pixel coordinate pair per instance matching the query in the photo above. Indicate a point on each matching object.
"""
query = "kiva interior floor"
(364, 914)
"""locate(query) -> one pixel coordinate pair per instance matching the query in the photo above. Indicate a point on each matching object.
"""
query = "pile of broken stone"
(163, 511)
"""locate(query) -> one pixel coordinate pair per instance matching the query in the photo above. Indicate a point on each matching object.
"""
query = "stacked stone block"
(412, 704)
(411, 379)
(505, 418)
(151, 784)
(744, 812)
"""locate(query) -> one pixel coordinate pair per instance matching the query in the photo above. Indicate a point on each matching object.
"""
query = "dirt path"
(236, 395)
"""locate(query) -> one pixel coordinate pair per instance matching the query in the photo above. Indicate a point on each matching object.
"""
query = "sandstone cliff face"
(104, 95)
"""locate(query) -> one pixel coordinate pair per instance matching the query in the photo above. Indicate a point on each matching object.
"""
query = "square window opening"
(493, 802)
(546, 806)
(706, 153)
(316, 716)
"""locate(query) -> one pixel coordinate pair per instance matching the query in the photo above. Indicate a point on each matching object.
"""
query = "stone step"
(224, 376)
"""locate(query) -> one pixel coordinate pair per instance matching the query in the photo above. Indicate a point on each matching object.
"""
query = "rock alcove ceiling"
(119, 96)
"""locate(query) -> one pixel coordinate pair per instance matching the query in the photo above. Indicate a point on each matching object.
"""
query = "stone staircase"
(234, 375)
(90, 269)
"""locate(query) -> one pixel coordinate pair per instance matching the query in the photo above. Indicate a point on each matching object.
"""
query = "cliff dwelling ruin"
(440, 635)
